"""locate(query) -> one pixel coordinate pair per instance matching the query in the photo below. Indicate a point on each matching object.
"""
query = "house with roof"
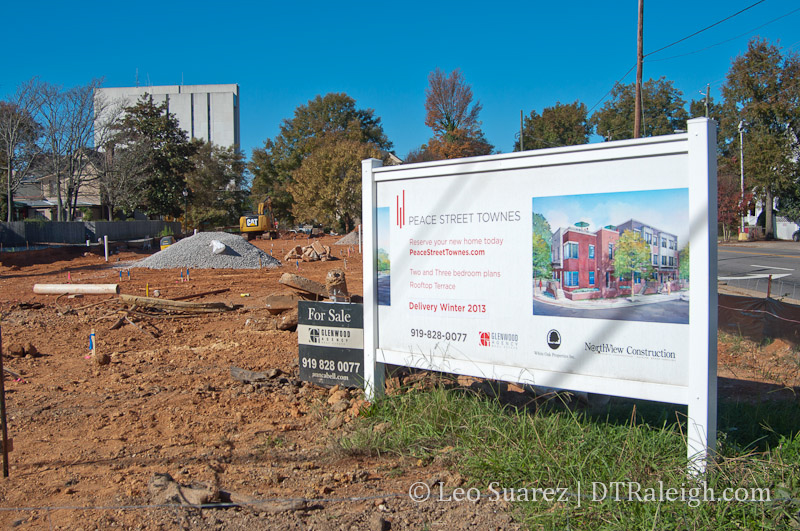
(583, 261)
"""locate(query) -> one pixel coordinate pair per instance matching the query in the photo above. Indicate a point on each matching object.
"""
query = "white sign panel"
(565, 268)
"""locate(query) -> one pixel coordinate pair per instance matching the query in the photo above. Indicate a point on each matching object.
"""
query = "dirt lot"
(89, 438)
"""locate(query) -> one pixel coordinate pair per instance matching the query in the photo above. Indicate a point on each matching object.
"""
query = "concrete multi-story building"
(207, 112)
(584, 260)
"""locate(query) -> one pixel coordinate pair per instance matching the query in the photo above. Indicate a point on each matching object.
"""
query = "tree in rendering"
(273, 166)
(632, 256)
(663, 111)
(564, 124)
(453, 117)
(542, 235)
(762, 93)
(683, 260)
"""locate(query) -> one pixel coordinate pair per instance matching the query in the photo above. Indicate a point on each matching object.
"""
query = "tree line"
(139, 158)
(134, 157)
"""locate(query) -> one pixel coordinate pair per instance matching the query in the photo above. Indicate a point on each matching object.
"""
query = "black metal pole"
(3, 408)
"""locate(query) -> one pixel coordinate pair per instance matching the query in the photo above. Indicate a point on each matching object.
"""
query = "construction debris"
(245, 376)
(175, 306)
(310, 253)
(350, 239)
(303, 284)
(193, 252)
(336, 285)
(86, 289)
(279, 302)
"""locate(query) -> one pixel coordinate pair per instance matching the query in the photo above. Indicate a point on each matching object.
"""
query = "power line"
(727, 40)
(707, 28)
(676, 42)
(612, 88)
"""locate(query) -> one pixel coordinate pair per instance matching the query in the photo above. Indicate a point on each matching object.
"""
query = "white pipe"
(85, 289)
(105, 244)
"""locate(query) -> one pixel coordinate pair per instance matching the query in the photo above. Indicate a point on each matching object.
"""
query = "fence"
(19, 233)
(757, 318)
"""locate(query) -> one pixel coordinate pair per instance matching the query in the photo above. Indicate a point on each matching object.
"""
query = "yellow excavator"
(261, 225)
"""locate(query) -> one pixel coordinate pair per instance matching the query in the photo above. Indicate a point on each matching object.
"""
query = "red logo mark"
(401, 210)
(485, 342)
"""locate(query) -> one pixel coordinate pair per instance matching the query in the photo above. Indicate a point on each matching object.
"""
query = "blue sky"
(516, 55)
(666, 210)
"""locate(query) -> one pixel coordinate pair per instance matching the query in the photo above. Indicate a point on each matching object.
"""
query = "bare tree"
(19, 137)
(448, 102)
(67, 118)
(453, 117)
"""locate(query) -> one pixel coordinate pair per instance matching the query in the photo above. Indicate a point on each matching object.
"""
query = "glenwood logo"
(499, 339)
(401, 209)
(485, 340)
(314, 335)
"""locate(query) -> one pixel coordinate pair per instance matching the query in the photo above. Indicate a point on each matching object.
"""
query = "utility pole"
(741, 167)
(708, 93)
(637, 119)
(521, 148)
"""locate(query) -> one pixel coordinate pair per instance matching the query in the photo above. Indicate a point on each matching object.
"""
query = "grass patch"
(557, 448)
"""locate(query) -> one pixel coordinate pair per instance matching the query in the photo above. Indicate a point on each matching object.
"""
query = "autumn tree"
(151, 128)
(559, 125)
(762, 91)
(453, 117)
(214, 186)
(731, 203)
(327, 186)
(20, 136)
(631, 256)
(273, 165)
(663, 111)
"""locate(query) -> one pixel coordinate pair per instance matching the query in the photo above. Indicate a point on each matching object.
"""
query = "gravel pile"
(195, 252)
(350, 239)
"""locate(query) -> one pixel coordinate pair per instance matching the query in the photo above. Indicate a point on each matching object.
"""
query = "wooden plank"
(166, 304)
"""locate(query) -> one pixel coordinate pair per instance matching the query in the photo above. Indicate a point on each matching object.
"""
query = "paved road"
(662, 312)
(749, 265)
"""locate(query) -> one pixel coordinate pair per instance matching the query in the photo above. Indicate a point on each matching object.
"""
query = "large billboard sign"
(588, 268)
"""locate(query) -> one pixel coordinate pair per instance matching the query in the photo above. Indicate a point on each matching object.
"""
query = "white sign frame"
(699, 391)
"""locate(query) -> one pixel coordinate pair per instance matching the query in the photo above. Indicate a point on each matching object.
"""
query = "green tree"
(662, 108)
(762, 91)
(453, 117)
(273, 165)
(213, 185)
(632, 256)
(327, 186)
(560, 125)
(542, 236)
(683, 260)
(170, 154)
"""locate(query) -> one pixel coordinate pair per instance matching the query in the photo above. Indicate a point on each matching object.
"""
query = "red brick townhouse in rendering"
(583, 261)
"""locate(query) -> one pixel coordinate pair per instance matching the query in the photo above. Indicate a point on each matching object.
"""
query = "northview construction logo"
(401, 209)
